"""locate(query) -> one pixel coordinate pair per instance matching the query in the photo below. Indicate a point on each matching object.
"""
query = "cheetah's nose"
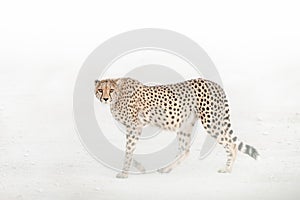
(105, 99)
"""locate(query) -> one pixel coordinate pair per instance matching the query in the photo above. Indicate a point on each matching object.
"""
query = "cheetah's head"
(106, 90)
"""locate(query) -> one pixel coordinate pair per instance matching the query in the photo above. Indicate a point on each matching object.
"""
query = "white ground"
(41, 156)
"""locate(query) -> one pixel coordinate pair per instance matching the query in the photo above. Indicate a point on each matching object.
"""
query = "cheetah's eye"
(111, 90)
(100, 90)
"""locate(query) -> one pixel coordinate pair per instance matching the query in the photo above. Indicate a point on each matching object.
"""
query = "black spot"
(240, 146)
(247, 151)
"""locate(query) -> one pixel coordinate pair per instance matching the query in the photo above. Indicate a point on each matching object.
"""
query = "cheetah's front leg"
(133, 134)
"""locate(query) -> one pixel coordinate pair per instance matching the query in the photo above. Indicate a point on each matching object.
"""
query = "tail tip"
(255, 154)
(258, 157)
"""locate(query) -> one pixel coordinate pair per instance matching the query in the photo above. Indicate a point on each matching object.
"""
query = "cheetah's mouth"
(105, 102)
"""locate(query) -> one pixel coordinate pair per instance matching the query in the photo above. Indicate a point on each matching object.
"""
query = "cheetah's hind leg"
(138, 166)
(184, 143)
(231, 152)
(217, 124)
(170, 167)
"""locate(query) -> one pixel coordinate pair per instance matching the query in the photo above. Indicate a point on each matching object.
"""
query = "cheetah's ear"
(96, 82)
(116, 80)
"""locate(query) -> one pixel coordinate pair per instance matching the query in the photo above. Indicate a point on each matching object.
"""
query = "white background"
(255, 46)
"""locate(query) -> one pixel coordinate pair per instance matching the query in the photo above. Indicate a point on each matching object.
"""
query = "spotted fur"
(174, 107)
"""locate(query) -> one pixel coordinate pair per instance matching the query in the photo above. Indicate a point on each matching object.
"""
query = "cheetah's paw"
(224, 170)
(122, 175)
(164, 170)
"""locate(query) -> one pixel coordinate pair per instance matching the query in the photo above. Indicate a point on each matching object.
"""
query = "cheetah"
(173, 107)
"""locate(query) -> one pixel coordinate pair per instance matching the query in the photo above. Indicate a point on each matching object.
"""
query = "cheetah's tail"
(249, 150)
